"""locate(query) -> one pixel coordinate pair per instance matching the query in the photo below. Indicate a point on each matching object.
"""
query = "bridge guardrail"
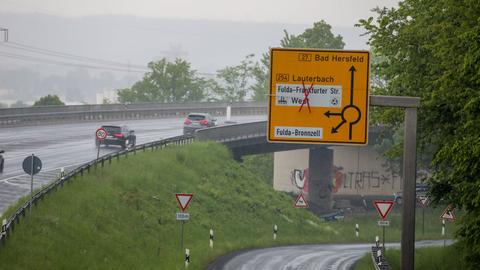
(227, 133)
(33, 115)
(8, 227)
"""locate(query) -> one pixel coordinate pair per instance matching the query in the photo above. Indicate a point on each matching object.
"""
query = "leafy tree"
(431, 49)
(260, 77)
(320, 36)
(166, 82)
(49, 100)
(235, 80)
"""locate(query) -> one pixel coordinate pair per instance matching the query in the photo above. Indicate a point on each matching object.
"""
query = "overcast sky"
(335, 12)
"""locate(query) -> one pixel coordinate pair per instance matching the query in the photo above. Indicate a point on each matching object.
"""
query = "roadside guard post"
(211, 238)
(275, 231)
(357, 230)
(383, 209)
(187, 257)
(183, 200)
(3, 231)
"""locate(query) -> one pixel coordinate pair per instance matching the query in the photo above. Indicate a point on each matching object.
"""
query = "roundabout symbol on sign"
(101, 134)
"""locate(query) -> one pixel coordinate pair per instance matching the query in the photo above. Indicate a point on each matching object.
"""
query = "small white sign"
(183, 216)
(327, 96)
(298, 132)
(384, 223)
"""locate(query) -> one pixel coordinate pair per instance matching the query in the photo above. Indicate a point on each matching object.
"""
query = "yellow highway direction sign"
(318, 96)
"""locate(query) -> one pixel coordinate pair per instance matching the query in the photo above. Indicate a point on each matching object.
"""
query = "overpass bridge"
(250, 138)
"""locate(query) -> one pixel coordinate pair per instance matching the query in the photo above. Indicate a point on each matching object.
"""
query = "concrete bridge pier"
(320, 165)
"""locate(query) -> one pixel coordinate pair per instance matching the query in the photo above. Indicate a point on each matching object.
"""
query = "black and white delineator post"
(62, 172)
(187, 257)
(379, 256)
(3, 231)
(211, 238)
(377, 241)
(443, 232)
(275, 231)
(357, 230)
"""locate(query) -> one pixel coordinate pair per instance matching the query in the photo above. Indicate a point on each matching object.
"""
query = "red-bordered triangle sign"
(448, 213)
(184, 199)
(300, 202)
(423, 199)
(383, 207)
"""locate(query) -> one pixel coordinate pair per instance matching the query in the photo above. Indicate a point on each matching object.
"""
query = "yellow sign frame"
(318, 96)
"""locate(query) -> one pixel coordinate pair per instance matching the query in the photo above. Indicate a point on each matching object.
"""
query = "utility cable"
(49, 61)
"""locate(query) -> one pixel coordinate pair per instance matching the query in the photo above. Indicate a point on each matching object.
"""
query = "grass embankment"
(431, 258)
(123, 216)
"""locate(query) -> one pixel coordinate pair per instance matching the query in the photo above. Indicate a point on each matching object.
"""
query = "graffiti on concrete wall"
(371, 179)
(350, 180)
(299, 179)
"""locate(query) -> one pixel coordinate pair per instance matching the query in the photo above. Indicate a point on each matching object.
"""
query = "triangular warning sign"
(383, 207)
(183, 199)
(300, 202)
(448, 214)
(423, 199)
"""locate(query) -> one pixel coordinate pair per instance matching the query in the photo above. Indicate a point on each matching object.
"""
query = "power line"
(112, 65)
(24, 47)
(55, 62)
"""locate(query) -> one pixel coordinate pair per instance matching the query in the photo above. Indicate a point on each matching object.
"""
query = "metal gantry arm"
(410, 105)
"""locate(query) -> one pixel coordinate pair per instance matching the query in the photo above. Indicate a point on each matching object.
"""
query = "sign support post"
(31, 184)
(383, 244)
(183, 200)
(423, 221)
(31, 165)
(298, 99)
(447, 215)
(101, 134)
(383, 208)
(423, 200)
(181, 236)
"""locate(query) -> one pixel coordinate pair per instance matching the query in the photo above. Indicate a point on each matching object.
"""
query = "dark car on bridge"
(117, 135)
(196, 121)
(420, 190)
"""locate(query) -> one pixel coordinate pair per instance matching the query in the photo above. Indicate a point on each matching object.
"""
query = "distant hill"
(208, 45)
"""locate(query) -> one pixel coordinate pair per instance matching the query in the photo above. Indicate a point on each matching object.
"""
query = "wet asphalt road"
(302, 257)
(69, 145)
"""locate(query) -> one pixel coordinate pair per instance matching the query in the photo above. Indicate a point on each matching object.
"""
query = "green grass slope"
(122, 216)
